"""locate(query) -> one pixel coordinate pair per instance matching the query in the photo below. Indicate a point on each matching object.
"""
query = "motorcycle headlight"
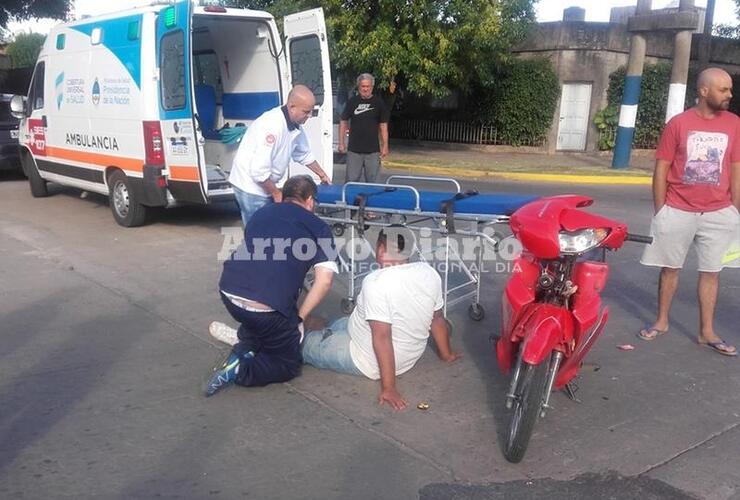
(581, 241)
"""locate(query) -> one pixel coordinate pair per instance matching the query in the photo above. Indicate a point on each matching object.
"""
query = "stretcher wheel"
(476, 311)
(337, 229)
(347, 305)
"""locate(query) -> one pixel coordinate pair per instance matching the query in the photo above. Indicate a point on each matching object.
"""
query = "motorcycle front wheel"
(528, 400)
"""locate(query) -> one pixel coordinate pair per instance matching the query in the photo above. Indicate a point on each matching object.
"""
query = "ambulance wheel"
(37, 184)
(476, 311)
(126, 209)
(338, 230)
(347, 305)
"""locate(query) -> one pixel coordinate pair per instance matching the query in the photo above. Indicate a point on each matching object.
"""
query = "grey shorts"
(716, 236)
(362, 167)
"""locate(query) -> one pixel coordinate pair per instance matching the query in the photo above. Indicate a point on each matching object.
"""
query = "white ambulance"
(138, 105)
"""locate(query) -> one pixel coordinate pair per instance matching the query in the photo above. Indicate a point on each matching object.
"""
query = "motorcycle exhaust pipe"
(557, 357)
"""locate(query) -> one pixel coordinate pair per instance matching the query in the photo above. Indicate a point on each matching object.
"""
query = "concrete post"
(680, 69)
(705, 41)
(632, 81)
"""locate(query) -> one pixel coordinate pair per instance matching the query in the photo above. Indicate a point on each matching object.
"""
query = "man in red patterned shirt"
(696, 192)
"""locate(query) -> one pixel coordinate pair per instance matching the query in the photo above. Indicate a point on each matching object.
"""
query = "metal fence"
(460, 132)
(637, 142)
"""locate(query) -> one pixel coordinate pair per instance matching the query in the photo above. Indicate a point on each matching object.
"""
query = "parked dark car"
(9, 148)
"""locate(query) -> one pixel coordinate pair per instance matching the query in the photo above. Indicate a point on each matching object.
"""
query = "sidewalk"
(516, 163)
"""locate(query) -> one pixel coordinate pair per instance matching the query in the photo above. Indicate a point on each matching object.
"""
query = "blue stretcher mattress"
(429, 201)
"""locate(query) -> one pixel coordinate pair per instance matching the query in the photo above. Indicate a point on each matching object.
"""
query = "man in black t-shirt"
(261, 282)
(367, 117)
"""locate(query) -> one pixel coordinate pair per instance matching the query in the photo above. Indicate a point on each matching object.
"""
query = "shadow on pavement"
(481, 350)
(583, 487)
(47, 388)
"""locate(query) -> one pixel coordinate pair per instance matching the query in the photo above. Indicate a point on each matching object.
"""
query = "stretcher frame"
(344, 214)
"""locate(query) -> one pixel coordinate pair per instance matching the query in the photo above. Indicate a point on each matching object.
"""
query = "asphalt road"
(104, 350)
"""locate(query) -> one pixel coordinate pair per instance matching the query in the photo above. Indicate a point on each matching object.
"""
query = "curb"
(633, 180)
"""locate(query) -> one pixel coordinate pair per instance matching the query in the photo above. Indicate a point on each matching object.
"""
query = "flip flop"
(721, 347)
(651, 333)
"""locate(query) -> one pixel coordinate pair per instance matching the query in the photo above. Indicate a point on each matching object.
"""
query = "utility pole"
(705, 43)
(631, 96)
(680, 69)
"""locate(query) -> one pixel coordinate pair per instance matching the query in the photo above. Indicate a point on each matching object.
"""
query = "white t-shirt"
(405, 296)
(265, 152)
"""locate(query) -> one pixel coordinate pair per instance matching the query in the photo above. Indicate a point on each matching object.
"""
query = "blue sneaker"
(224, 374)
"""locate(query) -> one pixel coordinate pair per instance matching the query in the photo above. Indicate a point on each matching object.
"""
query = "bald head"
(711, 76)
(714, 89)
(300, 104)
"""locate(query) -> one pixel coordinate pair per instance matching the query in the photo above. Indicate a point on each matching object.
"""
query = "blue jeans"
(249, 203)
(329, 348)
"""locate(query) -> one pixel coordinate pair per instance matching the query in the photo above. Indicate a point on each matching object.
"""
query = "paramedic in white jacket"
(266, 149)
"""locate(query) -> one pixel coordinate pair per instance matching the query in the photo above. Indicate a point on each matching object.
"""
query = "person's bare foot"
(719, 346)
(653, 332)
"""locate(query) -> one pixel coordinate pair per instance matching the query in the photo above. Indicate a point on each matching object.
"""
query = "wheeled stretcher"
(400, 204)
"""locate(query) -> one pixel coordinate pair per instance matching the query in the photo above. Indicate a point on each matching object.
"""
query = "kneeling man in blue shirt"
(261, 282)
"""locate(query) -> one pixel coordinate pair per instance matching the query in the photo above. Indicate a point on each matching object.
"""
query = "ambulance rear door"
(188, 179)
(307, 52)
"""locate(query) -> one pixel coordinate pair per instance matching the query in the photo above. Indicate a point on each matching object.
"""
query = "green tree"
(26, 9)
(726, 31)
(429, 46)
(24, 50)
(521, 102)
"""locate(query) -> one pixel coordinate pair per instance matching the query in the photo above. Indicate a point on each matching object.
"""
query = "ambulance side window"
(172, 70)
(36, 94)
(305, 65)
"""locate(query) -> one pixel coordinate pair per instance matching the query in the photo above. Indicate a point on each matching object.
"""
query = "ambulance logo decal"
(96, 92)
(59, 89)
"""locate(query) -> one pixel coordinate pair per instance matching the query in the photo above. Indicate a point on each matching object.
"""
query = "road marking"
(642, 180)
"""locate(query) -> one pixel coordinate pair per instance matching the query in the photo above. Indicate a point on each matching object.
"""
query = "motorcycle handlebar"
(639, 238)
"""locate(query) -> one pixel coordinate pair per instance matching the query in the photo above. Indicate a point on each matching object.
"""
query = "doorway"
(575, 103)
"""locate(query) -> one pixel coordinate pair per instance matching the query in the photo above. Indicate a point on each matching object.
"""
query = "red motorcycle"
(551, 309)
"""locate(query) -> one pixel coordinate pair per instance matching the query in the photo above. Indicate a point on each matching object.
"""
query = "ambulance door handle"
(43, 120)
(201, 137)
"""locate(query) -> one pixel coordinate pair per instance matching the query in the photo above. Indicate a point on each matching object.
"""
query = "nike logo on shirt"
(362, 108)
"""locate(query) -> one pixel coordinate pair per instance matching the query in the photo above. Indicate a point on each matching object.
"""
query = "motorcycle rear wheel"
(526, 409)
